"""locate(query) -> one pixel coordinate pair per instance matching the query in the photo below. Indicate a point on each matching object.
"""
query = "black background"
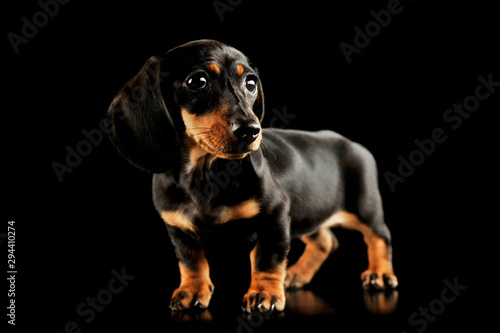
(72, 234)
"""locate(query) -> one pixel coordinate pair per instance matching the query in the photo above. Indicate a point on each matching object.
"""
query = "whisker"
(207, 143)
(192, 128)
(208, 136)
(268, 147)
(202, 133)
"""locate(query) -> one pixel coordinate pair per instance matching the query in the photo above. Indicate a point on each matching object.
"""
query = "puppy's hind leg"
(380, 274)
(318, 247)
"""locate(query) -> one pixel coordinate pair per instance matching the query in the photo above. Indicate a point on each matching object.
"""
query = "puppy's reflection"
(203, 315)
(380, 302)
(306, 303)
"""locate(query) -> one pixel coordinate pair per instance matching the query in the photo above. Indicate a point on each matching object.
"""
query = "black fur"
(299, 179)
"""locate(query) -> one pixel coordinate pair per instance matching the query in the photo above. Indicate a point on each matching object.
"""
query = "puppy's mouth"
(212, 133)
(222, 145)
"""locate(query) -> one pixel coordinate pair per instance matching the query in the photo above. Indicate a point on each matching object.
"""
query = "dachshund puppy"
(192, 117)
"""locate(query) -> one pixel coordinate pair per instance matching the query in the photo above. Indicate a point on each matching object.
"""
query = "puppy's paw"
(264, 298)
(378, 280)
(297, 278)
(191, 296)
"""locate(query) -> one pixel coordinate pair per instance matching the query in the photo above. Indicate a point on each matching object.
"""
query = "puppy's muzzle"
(245, 131)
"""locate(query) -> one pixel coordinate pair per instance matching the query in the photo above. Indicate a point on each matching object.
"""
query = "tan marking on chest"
(177, 219)
(244, 210)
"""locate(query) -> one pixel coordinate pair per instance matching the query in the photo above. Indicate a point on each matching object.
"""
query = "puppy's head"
(203, 92)
(219, 96)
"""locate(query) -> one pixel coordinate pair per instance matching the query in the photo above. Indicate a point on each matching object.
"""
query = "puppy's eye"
(197, 81)
(251, 83)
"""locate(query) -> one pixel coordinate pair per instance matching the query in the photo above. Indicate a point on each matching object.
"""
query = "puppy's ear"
(258, 105)
(142, 129)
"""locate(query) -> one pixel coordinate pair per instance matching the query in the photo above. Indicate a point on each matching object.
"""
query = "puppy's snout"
(245, 130)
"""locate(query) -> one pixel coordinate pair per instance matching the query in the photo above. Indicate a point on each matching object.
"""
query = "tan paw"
(296, 278)
(265, 297)
(191, 296)
(378, 280)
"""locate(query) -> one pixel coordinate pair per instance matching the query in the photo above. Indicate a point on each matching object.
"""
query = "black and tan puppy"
(194, 114)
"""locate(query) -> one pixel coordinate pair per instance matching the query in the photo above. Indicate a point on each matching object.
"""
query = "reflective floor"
(304, 309)
(349, 309)
(307, 303)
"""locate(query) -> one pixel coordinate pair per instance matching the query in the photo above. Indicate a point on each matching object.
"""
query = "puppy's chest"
(206, 197)
(194, 217)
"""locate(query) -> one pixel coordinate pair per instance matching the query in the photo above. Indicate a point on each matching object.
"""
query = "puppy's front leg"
(268, 260)
(196, 288)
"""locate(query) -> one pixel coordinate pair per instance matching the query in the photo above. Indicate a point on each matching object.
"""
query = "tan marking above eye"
(213, 68)
(240, 69)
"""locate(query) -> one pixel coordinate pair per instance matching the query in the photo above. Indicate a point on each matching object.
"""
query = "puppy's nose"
(245, 130)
